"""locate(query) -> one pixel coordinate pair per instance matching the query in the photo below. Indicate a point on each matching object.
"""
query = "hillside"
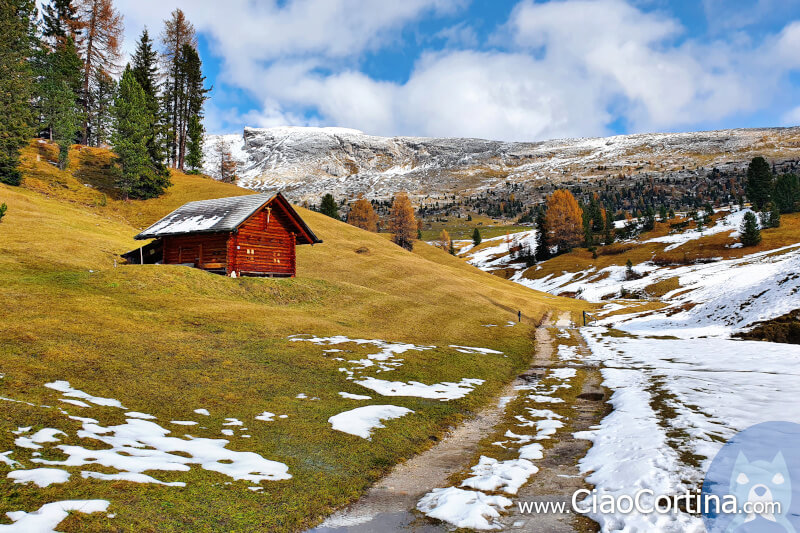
(220, 400)
(308, 162)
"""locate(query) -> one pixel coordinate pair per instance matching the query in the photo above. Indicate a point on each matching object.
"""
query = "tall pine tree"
(759, 183)
(16, 84)
(136, 176)
(194, 150)
(542, 242)
(145, 69)
(177, 33)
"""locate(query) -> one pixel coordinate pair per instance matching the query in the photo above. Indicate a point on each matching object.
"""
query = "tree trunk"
(87, 72)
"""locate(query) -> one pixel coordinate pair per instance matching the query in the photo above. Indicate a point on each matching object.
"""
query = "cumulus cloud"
(562, 68)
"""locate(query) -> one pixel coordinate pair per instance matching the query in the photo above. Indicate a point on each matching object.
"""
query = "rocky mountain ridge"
(305, 162)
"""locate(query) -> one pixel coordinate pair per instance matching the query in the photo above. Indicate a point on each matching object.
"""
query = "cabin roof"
(222, 215)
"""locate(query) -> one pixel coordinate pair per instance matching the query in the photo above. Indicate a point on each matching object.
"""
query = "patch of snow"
(464, 508)
(128, 476)
(65, 388)
(532, 452)
(42, 477)
(493, 475)
(362, 420)
(141, 445)
(75, 402)
(143, 416)
(49, 515)
(266, 416)
(183, 422)
(472, 349)
(5, 459)
(438, 391)
(203, 412)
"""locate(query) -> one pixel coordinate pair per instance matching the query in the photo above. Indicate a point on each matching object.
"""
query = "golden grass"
(167, 340)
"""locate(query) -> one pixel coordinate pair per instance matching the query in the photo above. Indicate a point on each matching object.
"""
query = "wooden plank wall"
(264, 244)
(203, 250)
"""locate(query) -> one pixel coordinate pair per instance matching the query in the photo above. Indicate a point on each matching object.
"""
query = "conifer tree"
(362, 215)
(100, 26)
(194, 149)
(329, 207)
(3, 209)
(402, 222)
(542, 241)
(58, 20)
(64, 121)
(144, 64)
(759, 183)
(137, 177)
(192, 95)
(16, 84)
(609, 229)
(58, 83)
(749, 231)
(787, 193)
(131, 123)
(564, 220)
(177, 33)
(476, 237)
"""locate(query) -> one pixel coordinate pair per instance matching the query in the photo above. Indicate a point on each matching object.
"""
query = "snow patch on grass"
(49, 515)
(361, 421)
(42, 477)
(464, 508)
(438, 391)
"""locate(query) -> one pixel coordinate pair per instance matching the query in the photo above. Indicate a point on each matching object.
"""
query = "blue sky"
(511, 70)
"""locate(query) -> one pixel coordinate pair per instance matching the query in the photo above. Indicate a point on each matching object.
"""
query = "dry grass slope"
(167, 340)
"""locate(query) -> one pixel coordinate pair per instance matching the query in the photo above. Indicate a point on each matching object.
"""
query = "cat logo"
(756, 468)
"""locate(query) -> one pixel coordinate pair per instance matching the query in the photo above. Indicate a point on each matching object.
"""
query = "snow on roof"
(215, 216)
(220, 215)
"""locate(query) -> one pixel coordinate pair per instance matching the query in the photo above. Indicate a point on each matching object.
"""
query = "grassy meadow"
(166, 340)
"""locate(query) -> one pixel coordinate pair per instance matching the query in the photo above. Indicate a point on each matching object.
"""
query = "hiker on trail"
(519, 316)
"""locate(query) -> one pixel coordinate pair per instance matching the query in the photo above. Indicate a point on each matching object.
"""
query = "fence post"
(584, 318)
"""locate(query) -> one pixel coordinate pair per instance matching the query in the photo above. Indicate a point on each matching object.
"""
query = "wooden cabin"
(252, 235)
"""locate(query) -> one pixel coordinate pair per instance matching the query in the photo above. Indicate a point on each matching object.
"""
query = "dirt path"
(390, 504)
(558, 476)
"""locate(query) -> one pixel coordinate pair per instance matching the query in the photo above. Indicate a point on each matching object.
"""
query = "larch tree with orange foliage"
(564, 220)
(362, 215)
(100, 27)
(402, 222)
(445, 242)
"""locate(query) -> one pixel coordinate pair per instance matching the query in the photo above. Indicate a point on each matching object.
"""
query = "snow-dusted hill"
(307, 162)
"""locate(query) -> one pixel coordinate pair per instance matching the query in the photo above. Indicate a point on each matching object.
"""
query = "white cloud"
(563, 68)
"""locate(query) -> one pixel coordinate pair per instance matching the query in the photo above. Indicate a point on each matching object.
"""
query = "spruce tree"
(608, 236)
(787, 193)
(329, 207)
(144, 65)
(194, 150)
(759, 183)
(58, 83)
(749, 231)
(542, 240)
(16, 84)
(476, 237)
(64, 121)
(58, 17)
(3, 209)
(136, 176)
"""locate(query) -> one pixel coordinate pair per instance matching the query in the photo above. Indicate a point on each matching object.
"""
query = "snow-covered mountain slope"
(307, 162)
